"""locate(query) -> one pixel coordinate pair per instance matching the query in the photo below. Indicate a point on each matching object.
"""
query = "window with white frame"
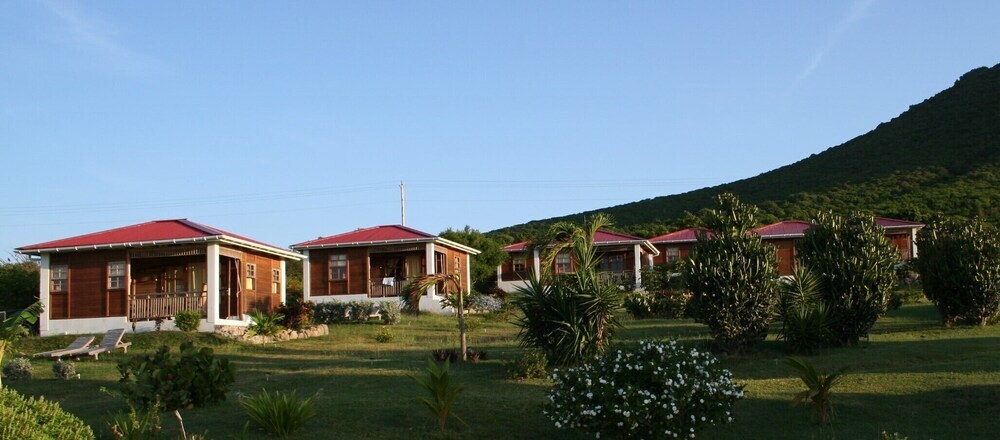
(673, 254)
(275, 280)
(338, 267)
(520, 264)
(564, 264)
(251, 283)
(60, 278)
(116, 275)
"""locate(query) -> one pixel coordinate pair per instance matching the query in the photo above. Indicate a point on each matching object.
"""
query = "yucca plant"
(279, 413)
(441, 391)
(819, 388)
(569, 317)
(806, 323)
(264, 324)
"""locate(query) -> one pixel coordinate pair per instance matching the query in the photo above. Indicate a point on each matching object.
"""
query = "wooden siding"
(260, 297)
(784, 249)
(357, 272)
(87, 295)
(902, 243)
(683, 249)
(507, 267)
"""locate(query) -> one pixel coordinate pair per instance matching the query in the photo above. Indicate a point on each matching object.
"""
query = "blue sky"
(285, 121)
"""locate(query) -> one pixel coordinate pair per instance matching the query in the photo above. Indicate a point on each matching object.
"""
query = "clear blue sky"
(285, 121)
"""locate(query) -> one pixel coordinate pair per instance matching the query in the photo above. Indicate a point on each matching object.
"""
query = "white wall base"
(86, 326)
(511, 286)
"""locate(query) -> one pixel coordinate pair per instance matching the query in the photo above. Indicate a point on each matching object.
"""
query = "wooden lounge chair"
(111, 341)
(80, 345)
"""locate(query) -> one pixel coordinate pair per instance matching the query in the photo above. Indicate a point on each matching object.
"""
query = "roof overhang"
(435, 240)
(169, 242)
(644, 243)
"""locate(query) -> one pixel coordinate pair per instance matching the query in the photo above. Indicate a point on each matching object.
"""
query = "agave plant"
(442, 392)
(806, 319)
(819, 388)
(279, 413)
(265, 324)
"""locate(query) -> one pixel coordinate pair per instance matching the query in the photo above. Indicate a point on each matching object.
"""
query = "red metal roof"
(601, 237)
(376, 234)
(891, 223)
(154, 231)
(681, 236)
(786, 228)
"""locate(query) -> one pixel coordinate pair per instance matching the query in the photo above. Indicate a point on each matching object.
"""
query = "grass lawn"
(912, 376)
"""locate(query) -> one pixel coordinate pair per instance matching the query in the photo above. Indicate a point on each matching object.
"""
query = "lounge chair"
(111, 341)
(80, 345)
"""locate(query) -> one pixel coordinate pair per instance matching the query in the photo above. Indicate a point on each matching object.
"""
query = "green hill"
(941, 155)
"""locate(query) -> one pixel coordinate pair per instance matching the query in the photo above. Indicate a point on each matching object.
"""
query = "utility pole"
(402, 204)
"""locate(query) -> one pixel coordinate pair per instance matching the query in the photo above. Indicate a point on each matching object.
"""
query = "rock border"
(240, 334)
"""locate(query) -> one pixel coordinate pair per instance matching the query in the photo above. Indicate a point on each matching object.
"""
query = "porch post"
(637, 253)
(306, 285)
(281, 279)
(468, 273)
(212, 282)
(430, 267)
(913, 243)
(43, 294)
(537, 264)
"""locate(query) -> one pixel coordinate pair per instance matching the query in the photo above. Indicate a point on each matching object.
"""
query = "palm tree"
(12, 327)
(570, 317)
(419, 286)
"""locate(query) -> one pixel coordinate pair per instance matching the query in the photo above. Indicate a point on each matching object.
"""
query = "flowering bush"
(485, 303)
(660, 390)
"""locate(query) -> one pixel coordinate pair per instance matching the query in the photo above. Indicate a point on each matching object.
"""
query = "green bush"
(959, 266)
(36, 418)
(659, 390)
(359, 311)
(855, 263)
(18, 368)
(441, 392)
(733, 277)
(192, 378)
(332, 312)
(657, 304)
(187, 320)
(64, 370)
(384, 335)
(279, 413)
(806, 324)
(297, 314)
(390, 312)
(264, 324)
(531, 364)
(135, 424)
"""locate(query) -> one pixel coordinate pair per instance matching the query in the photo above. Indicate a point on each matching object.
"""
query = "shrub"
(36, 418)
(297, 314)
(531, 364)
(360, 311)
(390, 312)
(733, 277)
(659, 390)
(485, 303)
(657, 304)
(806, 324)
(280, 414)
(473, 324)
(330, 312)
(136, 425)
(187, 320)
(819, 388)
(194, 377)
(264, 324)
(64, 370)
(384, 335)
(441, 392)
(959, 265)
(855, 263)
(18, 368)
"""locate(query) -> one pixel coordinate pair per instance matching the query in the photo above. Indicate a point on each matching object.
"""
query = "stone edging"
(240, 334)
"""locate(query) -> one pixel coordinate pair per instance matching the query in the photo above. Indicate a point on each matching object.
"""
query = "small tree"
(959, 267)
(13, 327)
(856, 264)
(733, 276)
(419, 286)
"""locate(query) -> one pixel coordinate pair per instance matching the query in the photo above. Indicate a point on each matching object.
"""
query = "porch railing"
(619, 277)
(384, 287)
(151, 306)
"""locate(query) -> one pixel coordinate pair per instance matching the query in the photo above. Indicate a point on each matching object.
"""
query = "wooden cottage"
(676, 245)
(377, 262)
(621, 259)
(139, 275)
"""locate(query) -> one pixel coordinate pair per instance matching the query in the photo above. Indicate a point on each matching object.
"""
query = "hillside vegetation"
(941, 155)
